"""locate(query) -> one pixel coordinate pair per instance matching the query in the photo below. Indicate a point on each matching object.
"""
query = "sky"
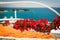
(51, 3)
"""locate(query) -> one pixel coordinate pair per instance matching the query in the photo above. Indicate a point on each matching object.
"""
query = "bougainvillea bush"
(56, 22)
(41, 25)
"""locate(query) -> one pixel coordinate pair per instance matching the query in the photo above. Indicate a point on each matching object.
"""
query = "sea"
(28, 13)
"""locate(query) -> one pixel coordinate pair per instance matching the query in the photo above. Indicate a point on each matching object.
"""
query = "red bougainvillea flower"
(49, 27)
(33, 23)
(43, 22)
(27, 29)
(19, 24)
(49, 24)
(57, 21)
(16, 26)
(6, 22)
(21, 29)
(27, 24)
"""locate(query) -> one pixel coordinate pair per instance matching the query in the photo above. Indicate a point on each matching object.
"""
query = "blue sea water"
(35, 13)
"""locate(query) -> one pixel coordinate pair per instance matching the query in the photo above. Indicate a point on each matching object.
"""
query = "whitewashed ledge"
(56, 33)
(12, 38)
